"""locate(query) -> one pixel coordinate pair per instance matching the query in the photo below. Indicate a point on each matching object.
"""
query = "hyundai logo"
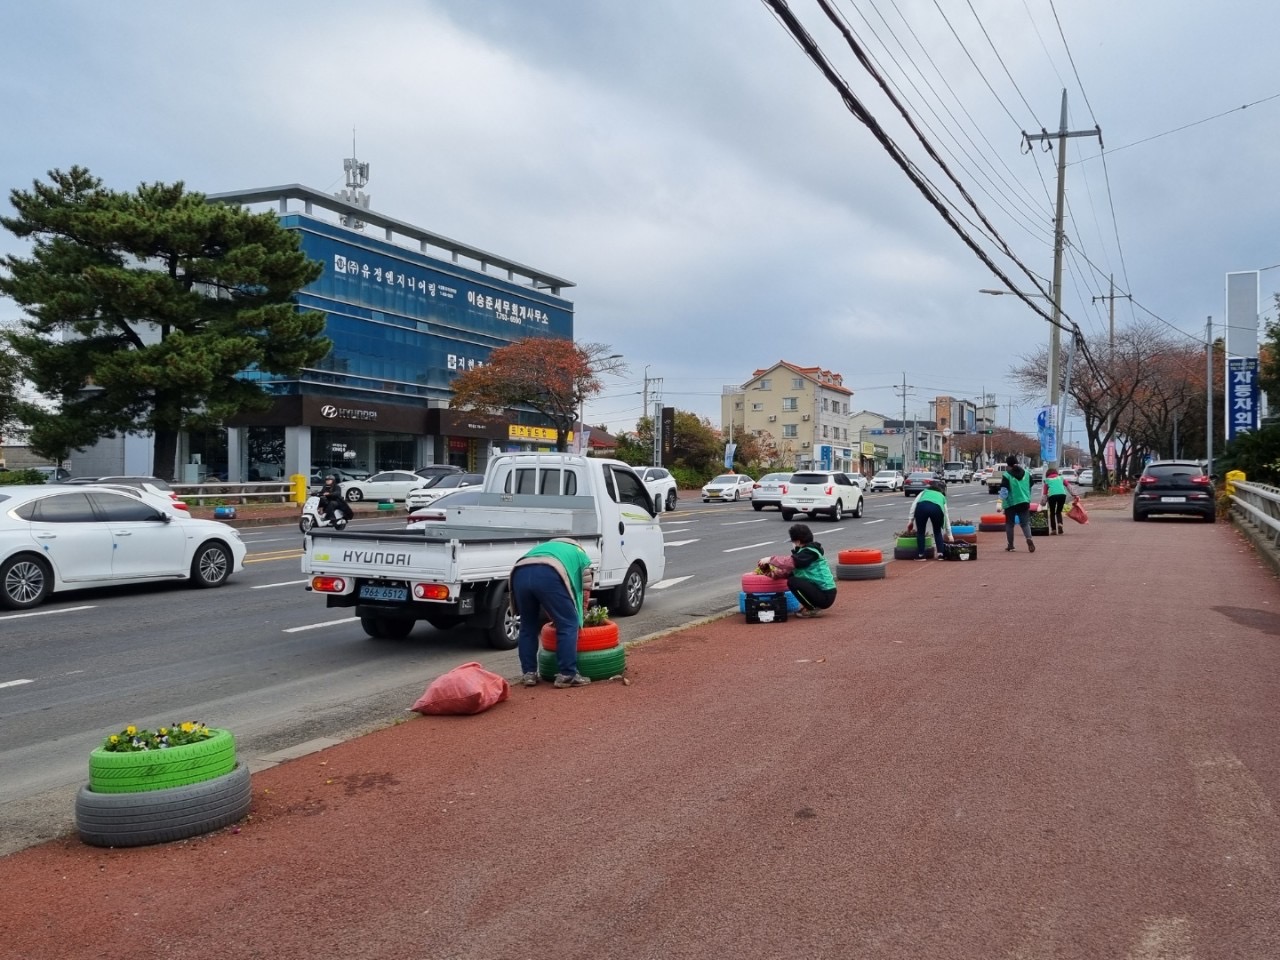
(328, 411)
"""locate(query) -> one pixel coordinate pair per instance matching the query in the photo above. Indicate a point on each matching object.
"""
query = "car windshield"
(774, 477)
(726, 478)
(921, 477)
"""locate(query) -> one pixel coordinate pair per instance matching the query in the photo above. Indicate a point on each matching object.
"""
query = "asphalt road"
(269, 660)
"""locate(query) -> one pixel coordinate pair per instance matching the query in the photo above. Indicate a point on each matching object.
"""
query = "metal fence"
(229, 493)
(1258, 504)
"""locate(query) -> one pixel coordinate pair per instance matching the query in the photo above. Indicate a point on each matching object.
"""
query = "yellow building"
(799, 415)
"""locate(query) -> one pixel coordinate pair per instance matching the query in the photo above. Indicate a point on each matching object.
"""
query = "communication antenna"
(357, 178)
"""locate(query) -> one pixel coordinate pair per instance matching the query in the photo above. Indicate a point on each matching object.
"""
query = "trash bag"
(468, 688)
(1077, 512)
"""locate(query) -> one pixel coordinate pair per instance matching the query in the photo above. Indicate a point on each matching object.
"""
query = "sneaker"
(530, 679)
(805, 614)
(1031, 545)
(1009, 549)
(571, 680)
(922, 557)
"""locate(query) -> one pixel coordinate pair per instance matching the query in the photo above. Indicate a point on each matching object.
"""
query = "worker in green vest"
(930, 507)
(1015, 494)
(1055, 493)
(556, 577)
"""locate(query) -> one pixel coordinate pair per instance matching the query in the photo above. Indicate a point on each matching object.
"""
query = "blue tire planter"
(792, 603)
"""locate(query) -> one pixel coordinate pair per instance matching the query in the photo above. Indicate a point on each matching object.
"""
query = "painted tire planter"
(909, 553)
(111, 772)
(602, 637)
(911, 542)
(862, 571)
(859, 556)
(759, 583)
(158, 816)
(992, 518)
(965, 538)
(963, 530)
(992, 527)
(592, 664)
(792, 603)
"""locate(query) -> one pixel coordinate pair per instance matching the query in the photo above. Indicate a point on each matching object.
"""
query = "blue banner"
(1242, 396)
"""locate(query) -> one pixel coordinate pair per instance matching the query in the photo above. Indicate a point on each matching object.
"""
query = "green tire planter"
(111, 772)
(911, 541)
(592, 664)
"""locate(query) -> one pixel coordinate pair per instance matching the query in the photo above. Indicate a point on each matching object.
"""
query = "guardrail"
(1259, 505)
(276, 491)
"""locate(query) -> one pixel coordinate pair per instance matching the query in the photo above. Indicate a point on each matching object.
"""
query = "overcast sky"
(689, 168)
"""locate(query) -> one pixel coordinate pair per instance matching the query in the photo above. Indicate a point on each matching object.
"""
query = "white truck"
(455, 571)
(957, 471)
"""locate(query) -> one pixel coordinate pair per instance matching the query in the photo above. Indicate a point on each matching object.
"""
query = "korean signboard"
(1242, 396)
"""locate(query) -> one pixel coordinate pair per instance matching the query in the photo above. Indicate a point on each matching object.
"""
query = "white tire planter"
(159, 816)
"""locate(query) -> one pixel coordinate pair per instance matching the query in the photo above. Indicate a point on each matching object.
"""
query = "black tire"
(628, 596)
(354, 495)
(159, 816)
(1211, 518)
(735, 496)
(991, 527)
(861, 571)
(306, 523)
(787, 514)
(211, 565)
(837, 512)
(757, 507)
(444, 621)
(386, 628)
(671, 499)
(503, 630)
(1139, 516)
(909, 553)
(857, 511)
(592, 664)
(25, 581)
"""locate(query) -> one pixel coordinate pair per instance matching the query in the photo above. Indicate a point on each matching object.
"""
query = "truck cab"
(957, 471)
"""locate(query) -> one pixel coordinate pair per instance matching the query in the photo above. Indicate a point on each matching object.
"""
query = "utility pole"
(644, 406)
(1208, 393)
(904, 388)
(1055, 330)
(1111, 340)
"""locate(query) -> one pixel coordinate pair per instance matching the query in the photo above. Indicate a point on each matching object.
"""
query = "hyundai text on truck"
(454, 571)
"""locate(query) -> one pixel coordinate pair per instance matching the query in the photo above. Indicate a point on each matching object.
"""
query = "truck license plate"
(371, 591)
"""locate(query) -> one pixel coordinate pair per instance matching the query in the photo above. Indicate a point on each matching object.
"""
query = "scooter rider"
(332, 501)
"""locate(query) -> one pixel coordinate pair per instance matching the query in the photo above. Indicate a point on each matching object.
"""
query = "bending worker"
(930, 507)
(556, 577)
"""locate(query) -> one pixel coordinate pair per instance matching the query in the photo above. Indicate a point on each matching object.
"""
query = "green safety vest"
(1057, 486)
(1019, 490)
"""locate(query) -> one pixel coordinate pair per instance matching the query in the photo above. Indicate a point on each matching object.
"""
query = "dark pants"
(1056, 502)
(927, 513)
(334, 507)
(539, 587)
(1020, 515)
(810, 595)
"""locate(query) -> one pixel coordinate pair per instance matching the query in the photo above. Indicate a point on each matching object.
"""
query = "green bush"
(687, 478)
(21, 477)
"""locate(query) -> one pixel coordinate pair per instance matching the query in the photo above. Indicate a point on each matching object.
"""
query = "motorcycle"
(312, 517)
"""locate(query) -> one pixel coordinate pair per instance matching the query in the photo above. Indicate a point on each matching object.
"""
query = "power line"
(1186, 126)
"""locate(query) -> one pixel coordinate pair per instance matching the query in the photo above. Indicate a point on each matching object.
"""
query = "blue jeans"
(927, 513)
(539, 587)
(1019, 514)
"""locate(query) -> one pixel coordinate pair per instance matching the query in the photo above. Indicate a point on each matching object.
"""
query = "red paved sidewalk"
(1070, 754)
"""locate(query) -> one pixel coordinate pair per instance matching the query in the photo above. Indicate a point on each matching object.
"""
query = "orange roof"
(825, 378)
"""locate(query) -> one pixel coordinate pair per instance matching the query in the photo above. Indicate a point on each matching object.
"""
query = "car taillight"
(179, 505)
(1147, 479)
(782, 488)
(755, 486)
(328, 584)
(1202, 480)
(430, 591)
(829, 490)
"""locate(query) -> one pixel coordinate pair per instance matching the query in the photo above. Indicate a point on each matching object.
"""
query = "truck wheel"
(386, 628)
(628, 596)
(503, 631)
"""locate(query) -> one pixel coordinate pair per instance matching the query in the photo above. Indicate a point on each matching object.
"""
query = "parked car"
(917, 481)
(1085, 479)
(436, 470)
(388, 485)
(728, 486)
(767, 491)
(153, 485)
(661, 486)
(821, 491)
(1069, 474)
(1177, 487)
(438, 486)
(890, 480)
(439, 509)
(55, 538)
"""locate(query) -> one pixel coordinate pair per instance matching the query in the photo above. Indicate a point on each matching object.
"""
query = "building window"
(765, 384)
(824, 431)
(757, 406)
(826, 404)
(790, 403)
(738, 405)
(797, 383)
(789, 430)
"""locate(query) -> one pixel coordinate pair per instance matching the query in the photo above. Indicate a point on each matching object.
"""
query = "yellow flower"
(114, 738)
(164, 731)
(131, 729)
(187, 726)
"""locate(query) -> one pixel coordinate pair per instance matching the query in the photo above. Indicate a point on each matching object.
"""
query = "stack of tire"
(601, 654)
(905, 548)
(758, 583)
(964, 533)
(134, 799)
(991, 523)
(860, 564)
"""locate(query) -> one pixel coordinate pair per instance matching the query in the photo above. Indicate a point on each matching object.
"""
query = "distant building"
(800, 416)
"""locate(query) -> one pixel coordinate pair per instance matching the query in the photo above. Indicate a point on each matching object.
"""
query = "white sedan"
(661, 486)
(890, 480)
(728, 486)
(71, 537)
(388, 485)
(438, 486)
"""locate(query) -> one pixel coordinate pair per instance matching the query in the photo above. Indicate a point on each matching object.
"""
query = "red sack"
(468, 688)
(1077, 512)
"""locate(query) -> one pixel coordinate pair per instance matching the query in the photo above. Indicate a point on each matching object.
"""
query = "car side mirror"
(163, 517)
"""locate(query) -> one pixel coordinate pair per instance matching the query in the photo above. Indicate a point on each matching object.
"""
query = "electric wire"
(1003, 66)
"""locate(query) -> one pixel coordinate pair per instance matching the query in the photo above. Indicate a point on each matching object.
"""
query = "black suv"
(1175, 486)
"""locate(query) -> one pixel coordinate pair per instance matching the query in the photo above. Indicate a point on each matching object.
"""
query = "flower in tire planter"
(602, 636)
(135, 761)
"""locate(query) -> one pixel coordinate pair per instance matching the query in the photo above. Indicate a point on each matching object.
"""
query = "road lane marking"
(674, 523)
(750, 546)
(13, 683)
(272, 557)
(272, 540)
(680, 543)
(317, 626)
(881, 520)
(671, 582)
(738, 523)
(832, 529)
(282, 583)
(46, 613)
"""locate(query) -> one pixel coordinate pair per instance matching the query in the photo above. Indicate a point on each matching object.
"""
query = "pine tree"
(146, 308)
